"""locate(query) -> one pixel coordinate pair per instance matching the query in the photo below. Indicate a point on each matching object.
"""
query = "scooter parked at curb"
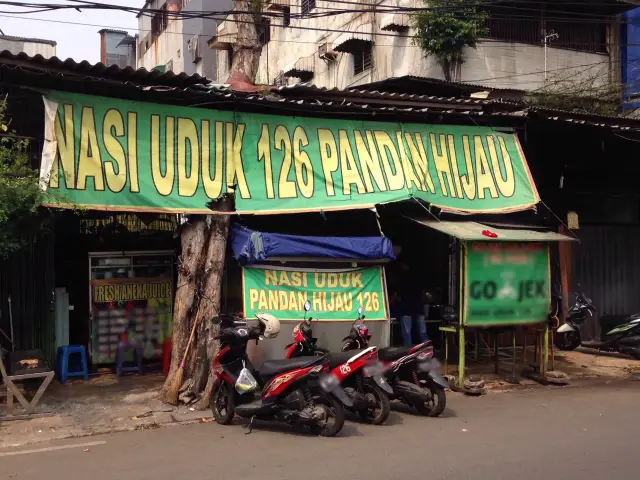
(299, 391)
(359, 372)
(624, 338)
(412, 372)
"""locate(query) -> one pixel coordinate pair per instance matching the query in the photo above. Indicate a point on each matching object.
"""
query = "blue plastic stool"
(120, 366)
(62, 362)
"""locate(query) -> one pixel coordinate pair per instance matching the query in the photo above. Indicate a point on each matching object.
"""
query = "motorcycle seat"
(338, 358)
(271, 368)
(394, 353)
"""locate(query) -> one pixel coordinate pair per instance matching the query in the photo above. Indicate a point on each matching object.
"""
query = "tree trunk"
(204, 243)
(247, 49)
(192, 238)
(210, 303)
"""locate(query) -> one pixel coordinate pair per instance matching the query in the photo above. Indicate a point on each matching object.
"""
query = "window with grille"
(160, 21)
(306, 6)
(362, 57)
(505, 22)
(229, 57)
(264, 31)
(286, 16)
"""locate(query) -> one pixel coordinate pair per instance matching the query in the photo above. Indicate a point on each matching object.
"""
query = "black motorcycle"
(624, 338)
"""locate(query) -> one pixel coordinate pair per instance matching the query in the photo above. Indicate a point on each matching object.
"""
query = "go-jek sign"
(506, 283)
(111, 154)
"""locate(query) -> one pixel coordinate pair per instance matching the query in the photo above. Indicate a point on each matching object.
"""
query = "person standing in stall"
(408, 306)
(413, 315)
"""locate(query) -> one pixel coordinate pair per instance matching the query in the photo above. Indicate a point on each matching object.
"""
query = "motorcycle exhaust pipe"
(410, 391)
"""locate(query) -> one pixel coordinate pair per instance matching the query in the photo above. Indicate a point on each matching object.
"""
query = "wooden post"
(565, 260)
(461, 357)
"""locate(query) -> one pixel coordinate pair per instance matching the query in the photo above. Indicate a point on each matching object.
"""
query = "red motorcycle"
(298, 391)
(359, 372)
(411, 371)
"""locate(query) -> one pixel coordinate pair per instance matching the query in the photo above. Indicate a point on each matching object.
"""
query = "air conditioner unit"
(325, 53)
(193, 45)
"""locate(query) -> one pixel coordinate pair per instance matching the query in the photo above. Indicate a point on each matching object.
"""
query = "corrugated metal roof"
(472, 231)
(413, 82)
(11, 38)
(70, 67)
(362, 96)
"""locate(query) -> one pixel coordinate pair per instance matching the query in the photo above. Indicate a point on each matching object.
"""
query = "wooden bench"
(25, 365)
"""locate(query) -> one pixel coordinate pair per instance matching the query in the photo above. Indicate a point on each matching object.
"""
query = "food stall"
(130, 294)
(504, 285)
(336, 274)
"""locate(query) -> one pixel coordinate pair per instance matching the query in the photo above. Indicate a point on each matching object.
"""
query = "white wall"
(168, 46)
(30, 48)
(397, 56)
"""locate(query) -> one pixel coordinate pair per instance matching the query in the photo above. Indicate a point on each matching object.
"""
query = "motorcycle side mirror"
(307, 305)
(360, 310)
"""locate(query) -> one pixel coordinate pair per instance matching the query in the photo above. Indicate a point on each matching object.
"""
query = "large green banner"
(506, 283)
(111, 154)
(334, 295)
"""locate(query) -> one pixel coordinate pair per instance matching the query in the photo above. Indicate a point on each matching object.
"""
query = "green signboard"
(506, 283)
(111, 154)
(334, 295)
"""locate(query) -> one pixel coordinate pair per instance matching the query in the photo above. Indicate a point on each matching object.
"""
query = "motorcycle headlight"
(328, 382)
(429, 365)
(374, 369)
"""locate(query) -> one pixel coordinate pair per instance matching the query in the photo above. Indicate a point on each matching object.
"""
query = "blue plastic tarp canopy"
(250, 246)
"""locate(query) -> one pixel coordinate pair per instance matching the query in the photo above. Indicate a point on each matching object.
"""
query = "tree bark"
(192, 238)
(204, 243)
(210, 304)
(247, 49)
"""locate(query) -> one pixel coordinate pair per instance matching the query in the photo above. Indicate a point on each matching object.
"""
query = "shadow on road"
(349, 429)
(404, 408)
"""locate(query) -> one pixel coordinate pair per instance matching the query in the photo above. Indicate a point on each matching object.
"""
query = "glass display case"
(130, 297)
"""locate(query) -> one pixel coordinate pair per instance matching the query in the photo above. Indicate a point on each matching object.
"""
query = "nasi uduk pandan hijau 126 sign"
(111, 154)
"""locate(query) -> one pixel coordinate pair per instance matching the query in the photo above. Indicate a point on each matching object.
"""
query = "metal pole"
(547, 37)
(13, 342)
(461, 357)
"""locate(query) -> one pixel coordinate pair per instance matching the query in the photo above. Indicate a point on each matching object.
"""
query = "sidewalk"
(103, 404)
(581, 365)
(107, 404)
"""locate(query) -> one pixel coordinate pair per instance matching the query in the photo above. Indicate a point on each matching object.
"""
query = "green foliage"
(589, 90)
(445, 27)
(20, 195)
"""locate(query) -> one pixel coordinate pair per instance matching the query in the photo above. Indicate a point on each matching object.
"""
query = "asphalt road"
(585, 432)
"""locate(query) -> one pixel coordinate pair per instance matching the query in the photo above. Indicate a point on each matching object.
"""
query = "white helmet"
(270, 323)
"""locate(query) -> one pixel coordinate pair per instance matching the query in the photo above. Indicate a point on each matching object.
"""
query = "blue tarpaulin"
(250, 246)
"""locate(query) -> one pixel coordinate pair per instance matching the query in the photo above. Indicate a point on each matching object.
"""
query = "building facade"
(30, 46)
(345, 50)
(117, 47)
(176, 43)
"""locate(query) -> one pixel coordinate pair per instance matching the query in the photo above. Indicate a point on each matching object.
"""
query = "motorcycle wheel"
(567, 340)
(438, 401)
(222, 405)
(380, 413)
(335, 415)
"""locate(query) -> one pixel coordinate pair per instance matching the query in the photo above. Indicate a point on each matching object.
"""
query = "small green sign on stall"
(506, 283)
(334, 295)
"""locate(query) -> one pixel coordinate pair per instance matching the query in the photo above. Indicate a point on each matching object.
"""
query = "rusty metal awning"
(395, 22)
(345, 41)
(277, 5)
(226, 34)
(472, 231)
(302, 68)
